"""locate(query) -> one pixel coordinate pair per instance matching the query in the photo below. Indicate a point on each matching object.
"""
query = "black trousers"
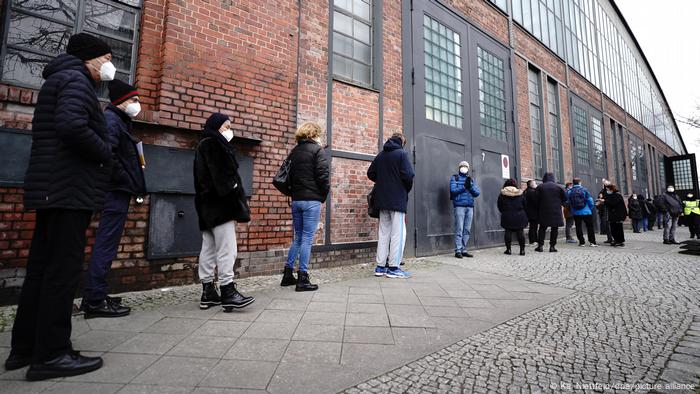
(617, 232)
(588, 220)
(42, 326)
(693, 221)
(532, 233)
(508, 237)
(554, 233)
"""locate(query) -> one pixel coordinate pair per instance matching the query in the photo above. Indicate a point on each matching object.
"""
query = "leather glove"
(468, 183)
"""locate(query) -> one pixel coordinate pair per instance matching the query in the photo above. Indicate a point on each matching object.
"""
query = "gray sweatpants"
(392, 237)
(219, 251)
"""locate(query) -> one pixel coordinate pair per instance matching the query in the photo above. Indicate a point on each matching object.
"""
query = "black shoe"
(620, 245)
(667, 242)
(105, 309)
(466, 254)
(552, 249)
(609, 242)
(674, 242)
(114, 300)
(539, 249)
(458, 255)
(522, 250)
(209, 296)
(507, 251)
(17, 361)
(303, 283)
(288, 278)
(231, 298)
(70, 364)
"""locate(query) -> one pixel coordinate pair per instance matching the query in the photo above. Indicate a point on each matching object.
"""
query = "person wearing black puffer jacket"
(69, 167)
(218, 189)
(550, 199)
(531, 210)
(616, 212)
(127, 181)
(310, 184)
(511, 203)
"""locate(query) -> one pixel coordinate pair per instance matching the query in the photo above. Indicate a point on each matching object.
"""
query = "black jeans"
(508, 237)
(588, 220)
(554, 232)
(617, 232)
(43, 323)
(532, 233)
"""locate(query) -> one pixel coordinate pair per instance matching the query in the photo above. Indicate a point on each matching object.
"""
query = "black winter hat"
(85, 46)
(120, 91)
(215, 121)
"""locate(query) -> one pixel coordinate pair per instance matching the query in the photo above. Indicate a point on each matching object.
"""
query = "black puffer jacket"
(216, 180)
(635, 209)
(531, 203)
(127, 174)
(512, 205)
(310, 175)
(615, 204)
(70, 161)
(550, 199)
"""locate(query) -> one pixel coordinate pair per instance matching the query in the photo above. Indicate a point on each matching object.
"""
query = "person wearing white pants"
(392, 237)
(219, 250)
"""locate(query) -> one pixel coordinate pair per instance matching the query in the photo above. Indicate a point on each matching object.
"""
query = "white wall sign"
(505, 166)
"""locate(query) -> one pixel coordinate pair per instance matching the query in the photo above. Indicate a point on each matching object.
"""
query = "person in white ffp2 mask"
(127, 181)
(463, 191)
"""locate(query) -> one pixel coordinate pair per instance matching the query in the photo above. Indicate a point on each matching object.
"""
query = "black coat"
(615, 204)
(531, 203)
(310, 174)
(216, 181)
(392, 173)
(635, 209)
(70, 161)
(512, 205)
(550, 199)
(127, 173)
(672, 204)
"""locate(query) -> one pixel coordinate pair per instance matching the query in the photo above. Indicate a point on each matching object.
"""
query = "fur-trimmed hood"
(511, 191)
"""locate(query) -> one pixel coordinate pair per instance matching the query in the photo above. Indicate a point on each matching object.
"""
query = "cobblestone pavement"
(632, 307)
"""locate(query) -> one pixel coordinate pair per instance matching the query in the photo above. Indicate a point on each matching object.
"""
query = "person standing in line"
(568, 218)
(582, 204)
(617, 213)
(672, 208)
(310, 185)
(604, 224)
(691, 211)
(392, 174)
(463, 191)
(69, 168)
(531, 210)
(645, 212)
(511, 204)
(651, 215)
(217, 186)
(550, 199)
(127, 181)
(634, 207)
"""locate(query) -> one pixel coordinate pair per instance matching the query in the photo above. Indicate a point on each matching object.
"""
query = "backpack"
(578, 198)
(660, 204)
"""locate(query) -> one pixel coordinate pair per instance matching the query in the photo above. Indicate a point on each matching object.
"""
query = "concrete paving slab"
(288, 305)
(328, 318)
(327, 307)
(240, 374)
(366, 308)
(152, 389)
(312, 352)
(258, 349)
(118, 368)
(279, 316)
(135, 322)
(318, 332)
(270, 330)
(216, 328)
(176, 371)
(83, 388)
(370, 335)
(367, 319)
(203, 346)
(174, 325)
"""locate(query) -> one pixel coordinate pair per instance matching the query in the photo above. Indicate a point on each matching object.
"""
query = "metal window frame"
(375, 38)
(559, 137)
(78, 27)
(542, 133)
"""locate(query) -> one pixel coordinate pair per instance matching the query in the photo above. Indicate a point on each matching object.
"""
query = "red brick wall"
(538, 54)
(484, 15)
(355, 118)
(523, 113)
(584, 89)
(393, 67)
(349, 222)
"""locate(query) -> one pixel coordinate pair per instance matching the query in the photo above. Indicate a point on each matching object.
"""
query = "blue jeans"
(305, 217)
(463, 227)
(645, 223)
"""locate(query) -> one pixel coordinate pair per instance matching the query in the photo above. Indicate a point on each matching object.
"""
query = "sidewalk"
(318, 342)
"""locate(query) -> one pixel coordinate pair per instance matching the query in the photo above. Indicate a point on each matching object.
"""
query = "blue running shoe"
(397, 273)
(379, 271)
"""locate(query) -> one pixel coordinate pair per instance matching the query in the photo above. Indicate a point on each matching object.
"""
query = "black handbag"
(282, 180)
(371, 210)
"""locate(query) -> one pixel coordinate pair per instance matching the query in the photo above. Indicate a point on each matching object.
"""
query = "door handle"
(181, 214)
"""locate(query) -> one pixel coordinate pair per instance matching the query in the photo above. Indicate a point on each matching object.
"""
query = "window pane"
(121, 53)
(23, 67)
(492, 103)
(342, 23)
(361, 31)
(342, 66)
(598, 149)
(344, 4)
(361, 73)
(63, 10)
(111, 20)
(342, 44)
(581, 137)
(38, 34)
(363, 52)
(362, 9)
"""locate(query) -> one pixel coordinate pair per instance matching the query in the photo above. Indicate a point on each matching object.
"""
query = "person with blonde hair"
(310, 184)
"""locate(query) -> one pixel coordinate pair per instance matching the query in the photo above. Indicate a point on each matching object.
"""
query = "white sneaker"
(593, 245)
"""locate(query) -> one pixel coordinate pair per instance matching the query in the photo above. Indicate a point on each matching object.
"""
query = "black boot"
(210, 297)
(552, 249)
(105, 308)
(303, 283)
(288, 278)
(539, 248)
(522, 250)
(231, 298)
(70, 364)
(507, 250)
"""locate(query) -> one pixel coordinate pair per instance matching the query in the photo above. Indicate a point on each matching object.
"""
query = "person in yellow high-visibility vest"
(691, 211)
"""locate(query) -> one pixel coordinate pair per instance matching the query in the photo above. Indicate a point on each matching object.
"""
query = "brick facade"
(267, 67)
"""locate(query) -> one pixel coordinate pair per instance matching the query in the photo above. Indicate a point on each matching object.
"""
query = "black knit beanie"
(215, 121)
(120, 91)
(85, 46)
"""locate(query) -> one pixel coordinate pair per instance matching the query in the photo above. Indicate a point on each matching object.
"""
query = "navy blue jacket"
(392, 173)
(550, 198)
(461, 195)
(127, 174)
(71, 159)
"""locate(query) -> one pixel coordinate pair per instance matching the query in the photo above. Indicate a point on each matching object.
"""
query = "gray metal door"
(461, 81)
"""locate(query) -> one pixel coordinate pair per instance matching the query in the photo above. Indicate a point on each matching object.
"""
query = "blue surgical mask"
(608, 191)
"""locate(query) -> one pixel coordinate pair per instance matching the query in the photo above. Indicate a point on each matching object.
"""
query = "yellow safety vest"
(691, 207)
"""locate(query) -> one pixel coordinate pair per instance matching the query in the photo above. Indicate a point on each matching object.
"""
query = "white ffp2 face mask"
(228, 134)
(107, 71)
(670, 189)
(463, 170)
(132, 109)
